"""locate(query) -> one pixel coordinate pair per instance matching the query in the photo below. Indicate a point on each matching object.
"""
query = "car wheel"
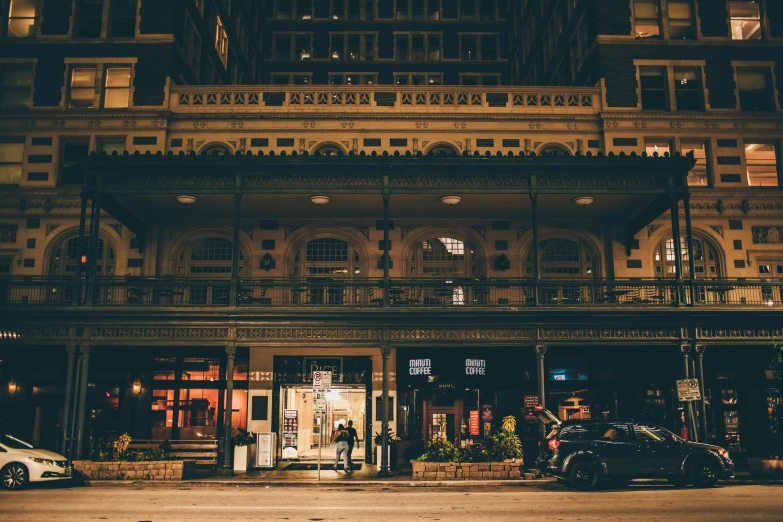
(704, 474)
(584, 475)
(14, 476)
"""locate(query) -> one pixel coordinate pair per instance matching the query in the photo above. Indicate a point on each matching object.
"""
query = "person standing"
(352, 436)
(341, 438)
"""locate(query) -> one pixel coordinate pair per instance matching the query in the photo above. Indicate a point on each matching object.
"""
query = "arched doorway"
(563, 259)
(321, 264)
(202, 261)
(449, 260)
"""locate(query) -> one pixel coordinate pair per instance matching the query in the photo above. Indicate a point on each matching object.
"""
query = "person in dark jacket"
(352, 436)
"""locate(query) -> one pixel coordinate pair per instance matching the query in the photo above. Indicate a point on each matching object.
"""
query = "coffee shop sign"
(420, 367)
(475, 367)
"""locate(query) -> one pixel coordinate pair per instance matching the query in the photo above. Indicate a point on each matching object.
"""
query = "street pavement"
(545, 502)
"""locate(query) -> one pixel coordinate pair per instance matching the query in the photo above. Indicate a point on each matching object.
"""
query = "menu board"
(290, 428)
(474, 423)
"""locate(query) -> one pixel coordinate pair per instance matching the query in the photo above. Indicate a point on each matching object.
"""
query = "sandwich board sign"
(688, 390)
(322, 381)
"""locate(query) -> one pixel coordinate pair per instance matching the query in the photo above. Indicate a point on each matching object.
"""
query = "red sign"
(487, 413)
(474, 423)
(531, 401)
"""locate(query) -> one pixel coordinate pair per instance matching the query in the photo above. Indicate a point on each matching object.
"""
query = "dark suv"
(588, 452)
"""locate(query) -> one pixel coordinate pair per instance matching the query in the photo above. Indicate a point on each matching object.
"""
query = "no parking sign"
(322, 381)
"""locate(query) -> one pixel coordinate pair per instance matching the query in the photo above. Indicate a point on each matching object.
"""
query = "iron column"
(70, 350)
(385, 353)
(81, 411)
(227, 466)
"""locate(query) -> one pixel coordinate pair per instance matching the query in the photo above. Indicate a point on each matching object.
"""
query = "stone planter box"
(769, 468)
(466, 470)
(149, 470)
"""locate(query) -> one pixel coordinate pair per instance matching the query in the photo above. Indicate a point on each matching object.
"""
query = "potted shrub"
(242, 441)
(505, 446)
(392, 449)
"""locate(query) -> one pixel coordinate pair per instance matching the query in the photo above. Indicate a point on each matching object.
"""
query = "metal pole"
(540, 353)
(70, 350)
(321, 421)
(685, 349)
(700, 349)
(675, 211)
(82, 401)
(227, 467)
(384, 472)
(689, 242)
(234, 299)
(80, 249)
(386, 279)
(535, 252)
(93, 259)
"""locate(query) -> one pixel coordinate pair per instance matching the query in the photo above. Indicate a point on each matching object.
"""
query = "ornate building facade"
(440, 249)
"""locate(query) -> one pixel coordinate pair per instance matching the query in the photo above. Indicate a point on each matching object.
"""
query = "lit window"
(112, 145)
(15, 83)
(117, 91)
(647, 17)
(654, 88)
(303, 46)
(681, 19)
(659, 147)
(687, 90)
(754, 92)
(745, 19)
(82, 88)
(699, 174)
(762, 164)
(11, 158)
(21, 18)
(221, 41)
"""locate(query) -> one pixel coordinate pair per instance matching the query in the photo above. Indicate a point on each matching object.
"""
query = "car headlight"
(724, 454)
(49, 462)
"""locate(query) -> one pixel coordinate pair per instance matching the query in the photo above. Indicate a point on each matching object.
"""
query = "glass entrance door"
(343, 404)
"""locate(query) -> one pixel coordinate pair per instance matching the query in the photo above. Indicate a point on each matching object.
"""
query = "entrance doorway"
(301, 428)
(443, 416)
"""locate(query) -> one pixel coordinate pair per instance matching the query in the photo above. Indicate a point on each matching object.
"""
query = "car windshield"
(12, 442)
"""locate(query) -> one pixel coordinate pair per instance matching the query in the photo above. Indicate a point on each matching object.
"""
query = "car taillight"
(553, 444)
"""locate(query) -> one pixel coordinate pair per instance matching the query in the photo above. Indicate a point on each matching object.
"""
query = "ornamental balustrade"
(394, 293)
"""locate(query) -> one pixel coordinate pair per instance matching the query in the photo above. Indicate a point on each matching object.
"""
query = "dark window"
(737, 244)
(372, 142)
(398, 142)
(268, 244)
(176, 142)
(653, 83)
(739, 263)
(501, 225)
(72, 152)
(31, 243)
(724, 143)
(485, 142)
(633, 263)
(735, 224)
(40, 142)
(754, 92)
(259, 142)
(123, 18)
(579, 432)
(625, 142)
(687, 90)
(33, 223)
(268, 224)
(145, 140)
(501, 244)
(89, 18)
(681, 19)
(511, 143)
(285, 142)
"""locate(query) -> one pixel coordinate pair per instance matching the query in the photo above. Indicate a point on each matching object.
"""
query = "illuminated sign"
(475, 367)
(420, 367)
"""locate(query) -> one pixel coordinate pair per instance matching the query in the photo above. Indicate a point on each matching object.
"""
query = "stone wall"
(150, 470)
(466, 470)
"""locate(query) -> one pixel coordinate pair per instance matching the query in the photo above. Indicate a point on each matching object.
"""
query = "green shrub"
(439, 450)
(505, 444)
(473, 453)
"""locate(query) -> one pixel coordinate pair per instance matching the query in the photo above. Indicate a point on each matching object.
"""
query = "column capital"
(700, 349)
(540, 350)
(386, 351)
(85, 350)
(70, 349)
(685, 348)
(231, 351)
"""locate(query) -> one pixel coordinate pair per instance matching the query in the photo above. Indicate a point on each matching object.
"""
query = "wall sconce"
(136, 387)
(12, 386)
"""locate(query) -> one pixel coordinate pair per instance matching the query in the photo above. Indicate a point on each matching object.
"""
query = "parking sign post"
(322, 382)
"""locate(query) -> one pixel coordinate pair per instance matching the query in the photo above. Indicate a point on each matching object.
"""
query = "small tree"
(505, 444)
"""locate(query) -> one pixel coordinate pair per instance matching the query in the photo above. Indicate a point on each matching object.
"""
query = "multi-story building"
(387, 42)
(458, 251)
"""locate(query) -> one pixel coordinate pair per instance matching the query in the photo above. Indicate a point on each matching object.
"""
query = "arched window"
(555, 149)
(705, 259)
(328, 149)
(208, 257)
(562, 258)
(216, 149)
(63, 259)
(442, 149)
(326, 257)
(443, 257)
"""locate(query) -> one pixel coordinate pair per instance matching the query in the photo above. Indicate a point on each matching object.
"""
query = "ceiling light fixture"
(320, 200)
(186, 200)
(450, 200)
(583, 200)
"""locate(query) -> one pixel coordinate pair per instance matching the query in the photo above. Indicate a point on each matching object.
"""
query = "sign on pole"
(320, 406)
(322, 382)
(688, 390)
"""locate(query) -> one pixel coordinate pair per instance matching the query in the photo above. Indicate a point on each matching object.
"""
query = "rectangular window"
(489, 48)
(11, 158)
(112, 145)
(761, 160)
(123, 18)
(338, 44)
(699, 176)
(433, 48)
(654, 88)
(304, 9)
(82, 88)
(402, 47)
(283, 10)
(469, 48)
(647, 18)
(753, 85)
(745, 20)
(656, 146)
(89, 18)
(221, 41)
(282, 47)
(354, 47)
(681, 20)
(688, 94)
(303, 45)
(418, 47)
(352, 79)
(22, 17)
(403, 9)
(467, 9)
(369, 47)
(117, 89)
(15, 83)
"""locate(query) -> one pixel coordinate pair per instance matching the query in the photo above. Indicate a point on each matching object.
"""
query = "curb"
(313, 483)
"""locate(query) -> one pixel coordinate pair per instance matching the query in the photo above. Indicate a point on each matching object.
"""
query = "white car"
(21, 463)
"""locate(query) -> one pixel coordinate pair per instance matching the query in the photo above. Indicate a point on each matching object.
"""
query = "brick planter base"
(151, 470)
(766, 468)
(466, 470)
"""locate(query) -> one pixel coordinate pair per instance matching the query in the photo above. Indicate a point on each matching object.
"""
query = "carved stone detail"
(651, 229)
(364, 230)
(117, 227)
(765, 235)
(404, 231)
(290, 230)
(51, 228)
(521, 231)
(482, 231)
(248, 231)
(718, 229)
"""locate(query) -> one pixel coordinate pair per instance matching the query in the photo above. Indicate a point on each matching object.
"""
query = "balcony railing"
(267, 98)
(396, 293)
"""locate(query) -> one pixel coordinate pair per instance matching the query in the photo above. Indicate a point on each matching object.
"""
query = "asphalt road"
(547, 503)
